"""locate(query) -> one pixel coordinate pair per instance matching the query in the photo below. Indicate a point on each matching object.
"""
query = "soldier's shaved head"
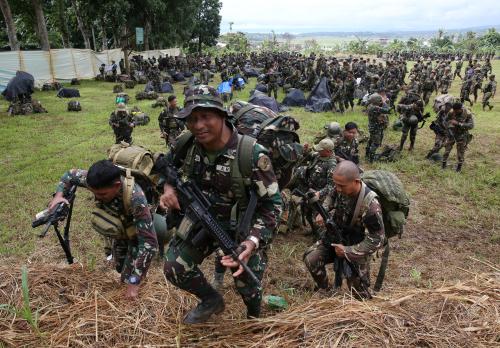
(348, 170)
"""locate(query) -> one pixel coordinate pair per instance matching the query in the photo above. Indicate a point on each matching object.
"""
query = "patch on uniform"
(264, 163)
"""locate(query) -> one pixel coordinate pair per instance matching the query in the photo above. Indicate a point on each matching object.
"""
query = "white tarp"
(63, 64)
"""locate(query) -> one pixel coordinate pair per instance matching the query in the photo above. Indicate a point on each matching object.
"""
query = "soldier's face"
(106, 194)
(350, 134)
(206, 125)
(345, 186)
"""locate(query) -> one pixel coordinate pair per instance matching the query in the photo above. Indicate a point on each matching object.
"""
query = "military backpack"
(74, 105)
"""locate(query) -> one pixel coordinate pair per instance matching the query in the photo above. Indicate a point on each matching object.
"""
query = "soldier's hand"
(339, 250)
(168, 199)
(58, 198)
(227, 260)
(132, 291)
(319, 220)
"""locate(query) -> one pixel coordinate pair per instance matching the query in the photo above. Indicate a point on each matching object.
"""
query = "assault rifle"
(423, 119)
(196, 207)
(52, 218)
(333, 235)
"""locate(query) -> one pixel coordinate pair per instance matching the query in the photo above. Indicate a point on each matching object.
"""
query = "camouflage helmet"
(375, 98)
(397, 125)
(333, 129)
(436, 157)
(201, 96)
(492, 77)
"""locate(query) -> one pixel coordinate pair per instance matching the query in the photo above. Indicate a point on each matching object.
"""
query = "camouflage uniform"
(377, 122)
(363, 238)
(272, 84)
(410, 105)
(347, 149)
(170, 126)
(440, 131)
(121, 120)
(465, 90)
(350, 87)
(458, 134)
(489, 90)
(212, 174)
(133, 255)
(155, 78)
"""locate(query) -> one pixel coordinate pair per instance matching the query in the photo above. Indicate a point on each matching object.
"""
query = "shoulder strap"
(184, 142)
(128, 188)
(245, 155)
(359, 202)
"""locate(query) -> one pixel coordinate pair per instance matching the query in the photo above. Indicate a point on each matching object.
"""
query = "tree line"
(104, 24)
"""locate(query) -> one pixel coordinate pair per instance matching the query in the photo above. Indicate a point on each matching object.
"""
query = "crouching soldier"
(361, 221)
(121, 215)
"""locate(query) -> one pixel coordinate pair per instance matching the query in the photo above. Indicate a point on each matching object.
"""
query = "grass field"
(453, 217)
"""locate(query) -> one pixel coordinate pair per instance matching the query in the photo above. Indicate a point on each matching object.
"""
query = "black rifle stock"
(196, 206)
(61, 212)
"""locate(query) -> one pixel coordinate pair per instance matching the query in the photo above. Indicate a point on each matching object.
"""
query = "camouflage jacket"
(120, 120)
(377, 116)
(367, 234)
(168, 123)
(145, 239)
(465, 123)
(319, 174)
(347, 149)
(214, 179)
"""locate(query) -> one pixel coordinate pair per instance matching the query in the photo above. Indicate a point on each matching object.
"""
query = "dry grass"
(82, 308)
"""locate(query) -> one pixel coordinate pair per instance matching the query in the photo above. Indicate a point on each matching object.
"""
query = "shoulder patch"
(264, 163)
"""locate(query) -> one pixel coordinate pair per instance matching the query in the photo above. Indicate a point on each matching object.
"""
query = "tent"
(261, 99)
(187, 73)
(320, 98)
(251, 72)
(167, 87)
(149, 87)
(224, 87)
(295, 97)
(261, 87)
(178, 77)
(23, 84)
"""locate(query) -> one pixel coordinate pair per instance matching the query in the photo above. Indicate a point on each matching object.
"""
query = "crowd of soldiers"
(206, 144)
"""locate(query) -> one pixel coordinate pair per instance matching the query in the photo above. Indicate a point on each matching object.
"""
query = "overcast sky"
(357, 15)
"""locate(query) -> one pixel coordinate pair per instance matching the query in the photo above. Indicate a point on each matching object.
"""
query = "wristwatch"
(134, 280)
(254, 240)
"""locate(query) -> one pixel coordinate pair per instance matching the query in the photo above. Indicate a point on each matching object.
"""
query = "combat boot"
(218, 281)
(459, 167)
(401, 144)
(491, 106)
(443, 165)
(204, 310)
(428, 156)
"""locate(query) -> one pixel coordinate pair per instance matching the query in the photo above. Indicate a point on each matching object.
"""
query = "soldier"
(458, 121)
(489, 91)
(446, 80)
(331, 130)
(154, 77)
(439, 128)
(338, 96)
(208, 161)
(346, 148)
(377, 122)
(170, 126)
(102, 71)
(205, 75)
(411, 108)
(458, 68)
(477, 81)
(429, 86)
(272, 83)
(465, 90)
(114, 69)
(122, 123)
(349, 88)
(132, 251)
(364, 233)
(318, 176)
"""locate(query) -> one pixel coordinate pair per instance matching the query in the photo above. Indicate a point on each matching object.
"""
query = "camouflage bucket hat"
(325, 144)
(201, 96)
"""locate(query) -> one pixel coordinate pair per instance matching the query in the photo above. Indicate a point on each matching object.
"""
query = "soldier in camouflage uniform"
(489, 91)
(170, 127)
(131, 252)
(377, 123)
(429, 86)
(363, 234)
(212, 152)
(439, 128)
(346, 147)
(272, 83)
(205, 75)
(458, 69)
(465, 90)
(154, 76)
(411, 108)
(349, 88)
(446, 80)
(122, 122)
(459, 121)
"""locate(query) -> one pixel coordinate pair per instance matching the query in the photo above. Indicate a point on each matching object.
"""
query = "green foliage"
(207, 26)
(24, 311)
(236, 42)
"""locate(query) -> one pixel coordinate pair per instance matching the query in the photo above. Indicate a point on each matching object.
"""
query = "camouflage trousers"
(426, 94)
(461, 147)
(272, 87)
(408, 129)
(125, 136)
(438, 144)
(181, 268)
(375, 141)
(318, 256)
(486, 99)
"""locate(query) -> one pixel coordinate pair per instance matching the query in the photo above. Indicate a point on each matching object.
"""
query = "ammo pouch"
(110, 226)
(193, 233)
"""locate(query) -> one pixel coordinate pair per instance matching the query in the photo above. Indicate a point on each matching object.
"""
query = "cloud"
(357, 15)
